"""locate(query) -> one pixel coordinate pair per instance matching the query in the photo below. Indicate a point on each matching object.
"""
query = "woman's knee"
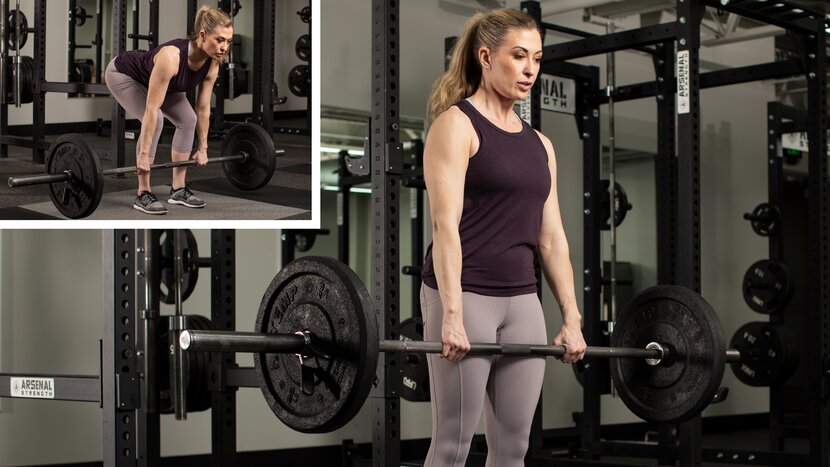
(185, 121)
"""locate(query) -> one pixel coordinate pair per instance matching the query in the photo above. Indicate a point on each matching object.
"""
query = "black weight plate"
(769, 354)
(12, 30)
(197, 368)
(79, 198)
(190, 266)
(766, 217)
(620, 199)
(413, 366)
(768, 286)
(28, 80)
(600, 365)
(303, 47)
(255, 171)
(299, 80)
(325, 297)
(682, 387)
(305, 14)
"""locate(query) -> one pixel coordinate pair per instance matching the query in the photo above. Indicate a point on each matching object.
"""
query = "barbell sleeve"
(230, 341)
(28, 180)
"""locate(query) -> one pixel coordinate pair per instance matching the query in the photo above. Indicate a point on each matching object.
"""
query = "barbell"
(76, 178)
(316, 348)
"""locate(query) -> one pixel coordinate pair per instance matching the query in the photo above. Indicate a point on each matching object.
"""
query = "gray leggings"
(133, 98)
(507, 387)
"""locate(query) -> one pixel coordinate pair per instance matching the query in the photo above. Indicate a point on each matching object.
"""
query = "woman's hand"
(570, 337)
(142, 164)
(454, 337)
(201, 157)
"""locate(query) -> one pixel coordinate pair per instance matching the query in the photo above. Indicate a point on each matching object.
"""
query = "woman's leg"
(132, 96)
(177, 109)
(458, 388)
(509, 409)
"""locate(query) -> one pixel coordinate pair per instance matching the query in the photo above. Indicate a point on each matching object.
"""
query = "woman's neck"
(489, 102)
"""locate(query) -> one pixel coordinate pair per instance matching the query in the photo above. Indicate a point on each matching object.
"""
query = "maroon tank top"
(505, 189)
(138, 64)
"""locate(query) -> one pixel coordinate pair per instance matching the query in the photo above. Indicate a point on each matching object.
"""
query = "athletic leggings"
(132, 96)
(507, 387)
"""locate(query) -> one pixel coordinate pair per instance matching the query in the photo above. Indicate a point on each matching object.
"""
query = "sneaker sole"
(182, 203)
(145, 211)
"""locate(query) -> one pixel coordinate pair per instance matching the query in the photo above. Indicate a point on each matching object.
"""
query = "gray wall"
(172, 18)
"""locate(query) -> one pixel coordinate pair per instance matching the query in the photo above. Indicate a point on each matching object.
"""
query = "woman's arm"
(166, 65)
(446, 155)
(556, 265)
(203, 111)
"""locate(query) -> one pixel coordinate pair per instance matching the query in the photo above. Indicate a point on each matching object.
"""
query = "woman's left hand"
(570, 336)
(201, 157)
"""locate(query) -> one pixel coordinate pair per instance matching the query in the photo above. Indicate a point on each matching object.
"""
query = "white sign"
(33, 388)
(798, 141)
(683, 101)
(558, 94)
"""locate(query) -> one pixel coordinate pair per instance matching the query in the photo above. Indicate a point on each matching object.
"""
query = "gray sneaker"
(147, 202)
(185, 197)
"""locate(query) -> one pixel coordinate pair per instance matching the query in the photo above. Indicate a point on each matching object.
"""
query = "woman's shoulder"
(453, 118)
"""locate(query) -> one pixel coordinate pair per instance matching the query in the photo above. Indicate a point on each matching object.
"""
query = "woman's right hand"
(454, 337)
(142, 164)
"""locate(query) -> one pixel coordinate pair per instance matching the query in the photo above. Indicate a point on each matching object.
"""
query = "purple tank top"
(505, 189)
(138, 64)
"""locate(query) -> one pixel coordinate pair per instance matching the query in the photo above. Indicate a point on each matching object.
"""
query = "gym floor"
(287, 196)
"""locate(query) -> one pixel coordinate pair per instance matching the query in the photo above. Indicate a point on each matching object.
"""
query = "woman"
(152, 85)
(491, 181)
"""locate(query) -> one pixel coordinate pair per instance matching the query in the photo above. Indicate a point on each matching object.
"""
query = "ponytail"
(208, 19)
(463, 75)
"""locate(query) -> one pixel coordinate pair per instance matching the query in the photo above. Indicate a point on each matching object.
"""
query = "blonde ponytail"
(208, 19)
(463, 75)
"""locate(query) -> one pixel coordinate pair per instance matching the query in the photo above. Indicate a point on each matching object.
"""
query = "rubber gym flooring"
(287, 196)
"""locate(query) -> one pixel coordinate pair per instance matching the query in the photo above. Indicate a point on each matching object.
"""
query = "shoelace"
(147, 198)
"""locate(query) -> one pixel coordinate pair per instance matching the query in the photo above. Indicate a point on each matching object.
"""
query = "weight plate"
(680, 388)
(764, 219)
(305, 14)
(80, 196)
(621, 201)
(11, 41)
(299, 80)
(303, 47)
(768, 286)
(769, 354)
(325, 297)
(413, 367)
(196, 370)
(190, 266)
(258, 168)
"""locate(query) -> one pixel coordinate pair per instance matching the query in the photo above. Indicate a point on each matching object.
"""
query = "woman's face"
(513, 67)
(218, 42)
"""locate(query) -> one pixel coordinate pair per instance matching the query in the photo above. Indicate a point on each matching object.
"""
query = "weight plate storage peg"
(768, 286)
(80, 195)
(190, 266)
(676, 390)
(258, 167)
(318, 393)
(770, 354)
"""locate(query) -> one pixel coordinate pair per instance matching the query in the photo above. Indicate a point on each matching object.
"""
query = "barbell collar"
(232, 341)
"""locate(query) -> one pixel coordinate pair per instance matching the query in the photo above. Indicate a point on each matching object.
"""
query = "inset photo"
(159, 111)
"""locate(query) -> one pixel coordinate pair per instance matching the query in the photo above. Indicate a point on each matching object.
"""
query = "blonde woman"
(491, 180)
(153, 84)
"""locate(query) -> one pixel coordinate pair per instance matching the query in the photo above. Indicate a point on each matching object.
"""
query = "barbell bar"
(76, 178)
(298, 343)
(65, 176)
(316, 348)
